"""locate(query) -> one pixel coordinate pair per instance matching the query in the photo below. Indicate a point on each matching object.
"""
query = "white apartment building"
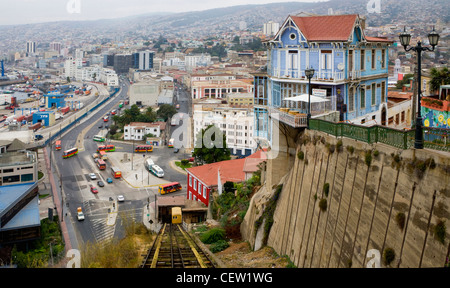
(235, 123)
(271, 28)
(192, 61)
(137, 130)
(88, 73)
(109, 77)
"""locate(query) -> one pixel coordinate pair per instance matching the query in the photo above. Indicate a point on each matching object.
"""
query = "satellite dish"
(340, 66)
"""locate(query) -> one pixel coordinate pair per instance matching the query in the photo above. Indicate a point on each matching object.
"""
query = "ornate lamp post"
(309, 72)
(405, 38)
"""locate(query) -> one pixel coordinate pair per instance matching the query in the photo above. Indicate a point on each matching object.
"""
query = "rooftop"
(230, 170)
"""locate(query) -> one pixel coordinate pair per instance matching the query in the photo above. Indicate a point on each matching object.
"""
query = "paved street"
(105, 217)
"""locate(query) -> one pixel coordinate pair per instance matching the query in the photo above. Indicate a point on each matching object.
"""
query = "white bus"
(99, 138)
(149, 163)
(157, 171)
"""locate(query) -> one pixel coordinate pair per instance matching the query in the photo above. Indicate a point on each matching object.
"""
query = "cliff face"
(379, 201)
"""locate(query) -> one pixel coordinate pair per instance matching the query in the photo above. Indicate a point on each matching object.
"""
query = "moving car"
(80, 215)
(94, 190)
(176, 150)
(92, 176)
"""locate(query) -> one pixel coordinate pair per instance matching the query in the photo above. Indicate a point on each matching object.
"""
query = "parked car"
(109, 180)
(120, 198)
(94, 190)
(101, 184)
(176, 150)
(38, 137)
(92, 176)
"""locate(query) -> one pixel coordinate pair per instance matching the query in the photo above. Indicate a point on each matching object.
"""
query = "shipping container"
(35, 126)
(65, 110)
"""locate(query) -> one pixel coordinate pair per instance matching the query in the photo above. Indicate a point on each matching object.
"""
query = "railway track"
(174, 248)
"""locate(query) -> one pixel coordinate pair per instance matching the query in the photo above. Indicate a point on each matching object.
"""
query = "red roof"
(377, 39)
(252, 161)
(326, 28)
(230, 170)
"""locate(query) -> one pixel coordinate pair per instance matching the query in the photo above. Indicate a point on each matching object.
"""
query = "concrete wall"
(362, 205)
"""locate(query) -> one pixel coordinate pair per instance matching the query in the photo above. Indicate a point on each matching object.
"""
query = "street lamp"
(405, 38)
(309, 72)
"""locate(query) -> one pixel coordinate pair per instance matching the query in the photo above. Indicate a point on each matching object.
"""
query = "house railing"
(298, 74)
(434, 138)
(292, 118)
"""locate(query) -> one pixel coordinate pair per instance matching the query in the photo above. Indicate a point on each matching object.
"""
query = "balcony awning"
(304, 98)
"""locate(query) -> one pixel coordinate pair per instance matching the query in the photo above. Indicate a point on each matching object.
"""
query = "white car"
(120, 198)
(92, 176)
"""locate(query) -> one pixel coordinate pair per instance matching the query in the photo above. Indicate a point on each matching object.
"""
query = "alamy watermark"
(73, 6)
(374, 6)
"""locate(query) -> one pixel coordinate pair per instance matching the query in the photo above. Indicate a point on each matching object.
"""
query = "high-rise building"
(270, 28)
(123, 63)
(146, 60)
(56, 46)
(31, 48)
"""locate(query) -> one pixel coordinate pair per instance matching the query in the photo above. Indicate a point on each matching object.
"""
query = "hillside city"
(105, 117)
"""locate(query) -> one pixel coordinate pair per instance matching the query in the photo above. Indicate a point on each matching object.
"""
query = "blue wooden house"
(350, 79)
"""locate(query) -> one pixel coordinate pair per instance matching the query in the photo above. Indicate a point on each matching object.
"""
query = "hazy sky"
(35, 11)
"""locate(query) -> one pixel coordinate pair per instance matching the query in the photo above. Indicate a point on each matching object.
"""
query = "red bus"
(143, 148)
(169, 187)
(69, 153)
(101, 164)
(106, 148)
(58, 145)
(116, 172)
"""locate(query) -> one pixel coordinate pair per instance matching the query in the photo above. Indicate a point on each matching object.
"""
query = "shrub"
(331, 149)
(339, 146)
(388, 256)
(376, 153)
(326, 189)
(440, 231)
(212, 236)
(219, 246)
(301, 155)
(350, 149)
(184, 162)
(368, 158)
(323, 204)
(400, 219)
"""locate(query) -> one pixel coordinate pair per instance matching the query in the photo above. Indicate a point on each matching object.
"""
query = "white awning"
(304, 98)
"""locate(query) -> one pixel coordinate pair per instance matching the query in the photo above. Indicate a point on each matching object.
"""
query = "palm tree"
(439, 78)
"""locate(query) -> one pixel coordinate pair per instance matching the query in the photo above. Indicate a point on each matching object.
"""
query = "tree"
(166, 111)
(439, 78)
(211, 146)
(405, 80)
(68, 79)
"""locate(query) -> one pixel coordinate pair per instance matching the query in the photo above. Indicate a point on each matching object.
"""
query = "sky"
(15, 12)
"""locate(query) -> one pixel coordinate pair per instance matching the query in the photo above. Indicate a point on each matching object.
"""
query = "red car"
(94, 190)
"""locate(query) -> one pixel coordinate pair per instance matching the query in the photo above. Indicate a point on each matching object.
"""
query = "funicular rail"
(174, 248)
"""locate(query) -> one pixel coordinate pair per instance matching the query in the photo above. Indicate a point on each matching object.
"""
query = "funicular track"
(174, 248)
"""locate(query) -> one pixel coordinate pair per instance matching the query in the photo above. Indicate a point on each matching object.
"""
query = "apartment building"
(137, 130)
(235, 123)
(218, 86)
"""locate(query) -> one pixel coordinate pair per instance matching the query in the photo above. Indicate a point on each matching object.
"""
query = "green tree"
(166, 111)
(211, 146)
(439, 78)
(405, 80)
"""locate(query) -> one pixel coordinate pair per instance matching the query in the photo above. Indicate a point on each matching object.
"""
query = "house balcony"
(296, 74)
(292, 118)
(319, 76)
